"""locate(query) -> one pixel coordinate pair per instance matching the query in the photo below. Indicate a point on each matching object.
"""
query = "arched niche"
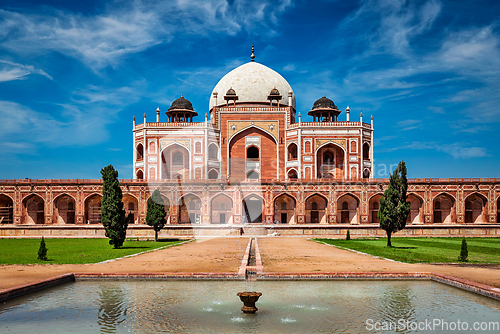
(373, 207)
(292, 152)
(292, 175)
(6, 210)
(93, 209)
(34, 210)
(140, 175)
(175, 162)
(475, 205)
(330, 160)
(366, 151)
(316, 209)
(252, 175)
(415, 216)
(64, 210)
(347, 209)
(284, 209)
(213, 174)
(131, 206)
(213, 152)
(253, 209)
(221, 209)
(140, 152)
(190, 209)
(443, 209)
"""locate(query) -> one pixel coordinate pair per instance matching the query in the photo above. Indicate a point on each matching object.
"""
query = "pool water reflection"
(213, 307)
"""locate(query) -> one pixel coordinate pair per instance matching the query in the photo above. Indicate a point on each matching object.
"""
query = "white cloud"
(13, 71)
(81, 123)
(127, 28)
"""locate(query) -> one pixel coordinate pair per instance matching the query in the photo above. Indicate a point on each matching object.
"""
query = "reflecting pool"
(213, 307)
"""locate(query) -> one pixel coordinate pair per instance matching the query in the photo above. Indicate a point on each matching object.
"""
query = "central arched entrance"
(253, 207)
(131, 207)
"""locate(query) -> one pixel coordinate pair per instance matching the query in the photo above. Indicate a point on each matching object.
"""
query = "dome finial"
(252, 56)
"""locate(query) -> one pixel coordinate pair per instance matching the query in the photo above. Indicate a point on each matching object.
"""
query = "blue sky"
(74, 73)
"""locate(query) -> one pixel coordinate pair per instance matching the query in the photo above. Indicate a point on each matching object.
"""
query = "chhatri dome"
(251, 82)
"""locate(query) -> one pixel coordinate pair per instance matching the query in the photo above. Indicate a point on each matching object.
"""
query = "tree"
(112, 213)
(348, 236)
(42, 251)
(155, 216)
(464, 253)
(394, 208)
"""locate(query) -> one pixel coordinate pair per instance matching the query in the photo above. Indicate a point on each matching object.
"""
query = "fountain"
(249, 297)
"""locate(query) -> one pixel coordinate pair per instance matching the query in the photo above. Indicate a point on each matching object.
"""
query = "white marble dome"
(252, 82)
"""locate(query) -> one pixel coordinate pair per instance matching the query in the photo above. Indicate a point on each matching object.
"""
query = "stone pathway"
(222, 255)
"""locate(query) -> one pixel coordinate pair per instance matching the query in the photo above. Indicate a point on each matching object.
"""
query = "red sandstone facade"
(254, 161)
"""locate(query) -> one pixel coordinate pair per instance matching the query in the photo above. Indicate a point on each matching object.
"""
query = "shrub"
(348, 236)
(464, 253)
(42, 251)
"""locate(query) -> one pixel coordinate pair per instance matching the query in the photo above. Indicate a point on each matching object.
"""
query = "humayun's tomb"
(252, 163)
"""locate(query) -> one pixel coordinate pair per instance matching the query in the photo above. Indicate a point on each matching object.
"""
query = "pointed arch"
(253, 208)
(416, 209)
(93, 208)
(189, 209)
(175, 161)
(316, 205)
(373, 207)
(292, 174)
(131, 206)
(348, 209)
(221, 206)
(34, 209)
(330, 158)
(284, 208)
(6, 209)
(443, 205)
(475, 208)
(64, 209)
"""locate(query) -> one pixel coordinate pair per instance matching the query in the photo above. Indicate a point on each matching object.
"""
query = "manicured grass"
(71, 251)
(424, 250)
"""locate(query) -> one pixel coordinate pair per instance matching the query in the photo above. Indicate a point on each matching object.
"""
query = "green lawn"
(71, 251)
(424, 250)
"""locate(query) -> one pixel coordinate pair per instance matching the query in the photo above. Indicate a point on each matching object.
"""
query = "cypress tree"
(42, 251)
(394, 208)
(112, 213)
(348, 236)
(155, 216)
(464, 253)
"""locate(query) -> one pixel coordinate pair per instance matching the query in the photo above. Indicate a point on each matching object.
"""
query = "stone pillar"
(48, 207)
(332, 205)
(18, 207)
(237, 205)
(205, 206)
(364, 206)
(459, 207)
(268, 206)
(174, 208)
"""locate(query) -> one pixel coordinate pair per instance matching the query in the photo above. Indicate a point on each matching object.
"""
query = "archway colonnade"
(350, 203)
